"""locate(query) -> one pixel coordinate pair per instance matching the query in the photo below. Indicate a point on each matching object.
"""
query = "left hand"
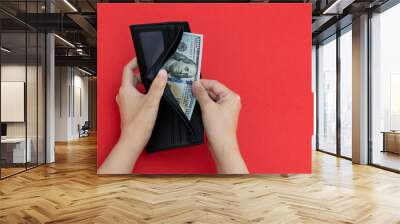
(138, 111)
(138, 114)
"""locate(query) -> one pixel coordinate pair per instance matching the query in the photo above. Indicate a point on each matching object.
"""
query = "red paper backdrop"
(261, 51)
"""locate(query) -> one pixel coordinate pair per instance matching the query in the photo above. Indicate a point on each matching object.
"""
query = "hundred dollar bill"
(183, 68)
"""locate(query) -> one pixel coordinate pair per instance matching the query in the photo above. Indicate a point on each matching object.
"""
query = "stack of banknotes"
(183, 68)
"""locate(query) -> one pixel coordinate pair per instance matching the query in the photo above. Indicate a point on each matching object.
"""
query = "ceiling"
(72, 20)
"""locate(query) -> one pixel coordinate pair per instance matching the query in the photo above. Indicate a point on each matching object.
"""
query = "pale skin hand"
(138, 114)
(220, 109)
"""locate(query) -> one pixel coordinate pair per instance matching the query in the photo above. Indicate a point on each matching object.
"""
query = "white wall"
(12, 73)
(33, 127)
(80, 85)
(71, 93)
(61, 103)
(9, 73)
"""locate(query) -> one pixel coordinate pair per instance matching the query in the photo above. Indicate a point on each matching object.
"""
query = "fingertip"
(132, 64)
(162, 74)
(196, 86)
(161, 80)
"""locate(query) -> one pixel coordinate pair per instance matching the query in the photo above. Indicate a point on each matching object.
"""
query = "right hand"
(220, 108)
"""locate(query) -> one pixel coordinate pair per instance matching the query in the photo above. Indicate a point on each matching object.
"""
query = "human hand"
(220, 108)
(138, 111)
(138, 114)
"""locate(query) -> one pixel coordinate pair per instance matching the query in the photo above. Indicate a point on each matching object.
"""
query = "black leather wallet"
(154, 44)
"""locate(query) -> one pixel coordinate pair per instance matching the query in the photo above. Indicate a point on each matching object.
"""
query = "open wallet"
(154, 45)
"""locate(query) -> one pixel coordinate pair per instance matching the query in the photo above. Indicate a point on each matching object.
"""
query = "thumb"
(157, 87)
(201, 94)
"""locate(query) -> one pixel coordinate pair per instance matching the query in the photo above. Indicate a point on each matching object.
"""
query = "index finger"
(127, 76)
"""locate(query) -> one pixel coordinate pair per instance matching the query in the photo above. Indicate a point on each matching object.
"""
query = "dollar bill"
(183, 68)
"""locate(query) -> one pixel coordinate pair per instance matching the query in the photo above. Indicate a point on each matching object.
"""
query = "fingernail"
(162, 73)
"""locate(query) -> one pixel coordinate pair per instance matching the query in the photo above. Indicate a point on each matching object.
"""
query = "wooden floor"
(8, 171)
(5, 172)
(69, 191)
(386, 159)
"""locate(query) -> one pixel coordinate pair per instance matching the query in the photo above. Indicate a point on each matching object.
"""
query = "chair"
(84, 130)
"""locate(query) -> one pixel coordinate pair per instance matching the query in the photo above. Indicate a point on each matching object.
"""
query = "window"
(346, 93)
(314, 89)
(327, 95)
(385, 89)
(22, 76)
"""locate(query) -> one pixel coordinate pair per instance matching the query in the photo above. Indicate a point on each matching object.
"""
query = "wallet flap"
(154, 45)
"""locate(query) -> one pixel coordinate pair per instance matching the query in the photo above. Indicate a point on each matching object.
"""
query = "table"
(16, 153)
(391, 141)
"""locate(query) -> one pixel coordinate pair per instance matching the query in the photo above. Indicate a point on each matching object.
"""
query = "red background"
(261, 51)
